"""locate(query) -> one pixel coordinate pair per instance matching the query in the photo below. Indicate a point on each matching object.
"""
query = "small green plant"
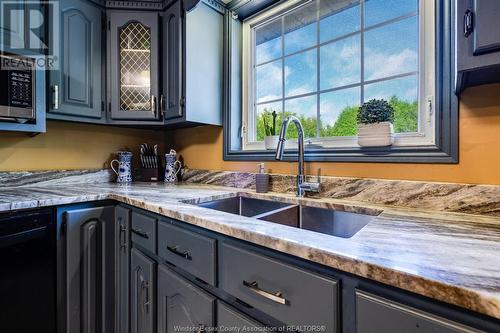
(375, 111)
(269, 127)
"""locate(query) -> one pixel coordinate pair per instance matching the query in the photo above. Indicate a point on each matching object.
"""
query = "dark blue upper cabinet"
(478, 42)
(172, 62)
(133, 65)
(192, 55)
(76, 86)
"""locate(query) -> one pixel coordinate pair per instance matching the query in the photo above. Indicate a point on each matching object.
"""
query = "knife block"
(150, 174)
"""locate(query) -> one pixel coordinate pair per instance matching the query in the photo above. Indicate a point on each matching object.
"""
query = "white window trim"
(426, 82)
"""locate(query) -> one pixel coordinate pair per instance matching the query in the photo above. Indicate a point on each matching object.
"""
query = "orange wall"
(479, 149)
(71, 146)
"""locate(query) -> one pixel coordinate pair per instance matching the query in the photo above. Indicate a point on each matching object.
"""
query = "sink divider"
(289, 215)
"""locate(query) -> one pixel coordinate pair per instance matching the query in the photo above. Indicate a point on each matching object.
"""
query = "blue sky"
(389, 50)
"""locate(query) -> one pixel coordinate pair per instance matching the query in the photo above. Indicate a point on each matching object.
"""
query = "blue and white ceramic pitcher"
(124, 171)
(172, 166)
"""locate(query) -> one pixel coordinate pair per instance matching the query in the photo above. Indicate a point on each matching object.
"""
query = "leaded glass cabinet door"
(134, 65)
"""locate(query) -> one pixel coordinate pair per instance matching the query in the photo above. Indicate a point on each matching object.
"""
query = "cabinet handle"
(184, 254)
(123, 236)
(140, 233)
(145, 293)
(277, 297)
(468, 22)
(162, 104)
(55, 97)
(153, 104)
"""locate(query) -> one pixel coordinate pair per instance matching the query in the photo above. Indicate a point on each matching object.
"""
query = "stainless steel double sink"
(326, 221)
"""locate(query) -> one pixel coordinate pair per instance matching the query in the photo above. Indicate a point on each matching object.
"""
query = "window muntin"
(304, 65)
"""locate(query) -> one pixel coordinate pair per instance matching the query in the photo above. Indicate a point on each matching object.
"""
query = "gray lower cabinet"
(232, 320)
(188, 250)
(142, 293)
(181, 305)
(287, 293)
(122, 269)
(88, 247)
(76, 84)
(379, 315)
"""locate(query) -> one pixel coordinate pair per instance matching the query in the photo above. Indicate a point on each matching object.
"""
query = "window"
(321, 59)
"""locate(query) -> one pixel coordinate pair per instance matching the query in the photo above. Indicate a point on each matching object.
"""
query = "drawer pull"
(184, 254)
(140, 233)
(277, 297)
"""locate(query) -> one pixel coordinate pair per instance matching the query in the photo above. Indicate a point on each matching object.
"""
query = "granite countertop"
(450, 257)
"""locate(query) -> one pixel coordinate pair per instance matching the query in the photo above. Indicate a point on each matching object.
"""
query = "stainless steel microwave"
(17, 87)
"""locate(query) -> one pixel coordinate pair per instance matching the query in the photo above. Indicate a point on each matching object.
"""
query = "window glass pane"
(338, 18)
(402, 94)
(301, 28)
(338, 111)
(265, 116)
(301, 73)
(268, 42)
(305, 109)
(340, 63)
(269, 81)
(391, 49)
(377, 11)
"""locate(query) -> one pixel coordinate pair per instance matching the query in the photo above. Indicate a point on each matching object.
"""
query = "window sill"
(422, 154)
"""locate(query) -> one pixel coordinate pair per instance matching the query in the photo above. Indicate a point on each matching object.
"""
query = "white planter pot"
(376, 134)
(271, 142)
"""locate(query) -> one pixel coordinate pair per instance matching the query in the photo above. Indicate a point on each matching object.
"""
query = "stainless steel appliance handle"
(55, 97)
(276, 297)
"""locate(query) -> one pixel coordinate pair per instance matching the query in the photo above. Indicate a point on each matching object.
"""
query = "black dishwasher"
(28, 272)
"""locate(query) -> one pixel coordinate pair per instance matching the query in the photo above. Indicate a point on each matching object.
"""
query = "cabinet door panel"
(231, 320)
(181, 304)
(378, 315)
(486, 38)
(172, 62)
(133, 57)
(78, 81)
(122, 261)
(143, 284)
(88, 240)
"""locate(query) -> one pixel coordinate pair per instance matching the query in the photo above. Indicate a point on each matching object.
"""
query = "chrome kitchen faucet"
(302, 185)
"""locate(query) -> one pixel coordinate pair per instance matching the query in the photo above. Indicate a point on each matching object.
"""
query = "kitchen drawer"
(188, 250)
(379, 315)
(289, 294)
(231, 320)
(144, 231)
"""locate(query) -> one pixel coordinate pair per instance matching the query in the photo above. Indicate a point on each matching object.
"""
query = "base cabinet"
(88, 247)
(255, 289)
(378, 315)
(182, 307)
(143, 290)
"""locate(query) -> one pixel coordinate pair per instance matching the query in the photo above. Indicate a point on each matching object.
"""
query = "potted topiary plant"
(375, 128)
(271, 138)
